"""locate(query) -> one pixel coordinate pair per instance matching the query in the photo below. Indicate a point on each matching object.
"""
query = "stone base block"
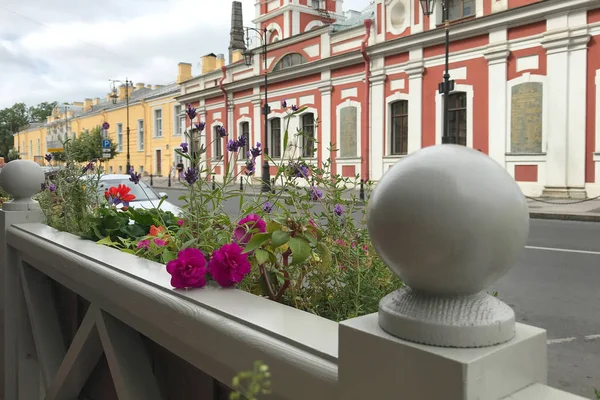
(564, 193)
(375, 365)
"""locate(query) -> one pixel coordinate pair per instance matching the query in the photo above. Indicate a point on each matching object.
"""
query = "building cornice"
(295, 7)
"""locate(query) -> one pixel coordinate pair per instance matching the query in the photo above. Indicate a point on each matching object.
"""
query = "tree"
(13, 154)
(41, 112)
(88, 146)
(12, 120)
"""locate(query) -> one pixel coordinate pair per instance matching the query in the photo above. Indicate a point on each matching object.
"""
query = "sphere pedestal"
(478, 320)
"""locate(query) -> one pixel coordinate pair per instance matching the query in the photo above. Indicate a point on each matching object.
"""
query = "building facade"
(526, 92)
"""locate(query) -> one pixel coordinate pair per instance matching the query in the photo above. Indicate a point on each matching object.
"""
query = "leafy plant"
(249, 385)
(88, 146)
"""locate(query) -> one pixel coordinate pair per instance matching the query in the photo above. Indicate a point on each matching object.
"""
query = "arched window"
(457, 117)
(308, 135)
(290, 60)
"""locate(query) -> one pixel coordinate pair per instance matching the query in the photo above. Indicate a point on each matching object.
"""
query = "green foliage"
(251, 384)
(88, 146)
(597, 393)
(18, 117)
(13, 154)
(41, 111)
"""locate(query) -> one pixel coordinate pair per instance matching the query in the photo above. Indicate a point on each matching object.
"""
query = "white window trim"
(238, 124)
(141, 145)
(526, 78)
(338, 109)
(154, 120)
(211, 138)
(313, 24)
(439, 105)
(274, 28)
(388, 109)
(282, 116)
(408, 16)
(119, 145)
(309, 110)
(597, 115)
(176, 119)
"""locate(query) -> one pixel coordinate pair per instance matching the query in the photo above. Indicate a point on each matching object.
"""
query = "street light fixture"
(114, 96)
(447, 85)
(249, 59)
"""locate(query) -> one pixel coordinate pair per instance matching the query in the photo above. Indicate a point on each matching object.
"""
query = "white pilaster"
(415, 110)
(257, 129)
(577, 107)
(497, 102)
(377, 125)
(286, 25)
(325, 45)
(597, 150)
(295, 22)
(325, 127)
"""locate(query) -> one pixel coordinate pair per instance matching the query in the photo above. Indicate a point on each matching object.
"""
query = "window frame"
(217, 144)
(290, 56)
(119, 135)
(177, 120)
(242, 132)
(272, 140)
(403, 116)
(308, 141)
(141, 142)
(456, 110)
(460, 5)
(158, 123)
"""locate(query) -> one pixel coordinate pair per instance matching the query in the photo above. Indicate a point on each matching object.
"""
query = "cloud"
(66, 50)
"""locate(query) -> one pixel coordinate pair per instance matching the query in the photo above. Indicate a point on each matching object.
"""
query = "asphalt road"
(555, 285)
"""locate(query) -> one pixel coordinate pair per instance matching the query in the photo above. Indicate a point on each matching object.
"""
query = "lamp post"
(447, 85)
(114, 96)
(249, 58)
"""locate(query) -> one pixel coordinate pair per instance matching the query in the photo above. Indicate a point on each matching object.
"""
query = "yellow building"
(156, 124)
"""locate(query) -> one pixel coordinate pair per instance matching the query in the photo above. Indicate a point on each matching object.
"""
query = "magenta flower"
(159, 242)
(143, 244)
(180, 222)
(188, 270)
(228, 265)
(247, 227)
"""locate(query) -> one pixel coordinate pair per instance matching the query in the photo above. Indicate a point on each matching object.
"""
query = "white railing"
(220, 332)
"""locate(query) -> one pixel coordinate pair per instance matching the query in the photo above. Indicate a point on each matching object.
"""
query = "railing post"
(241, 184)
(151, 180)
(169, 179)
(20, 374)
(214, 186)
(442, 336)
(361, 194)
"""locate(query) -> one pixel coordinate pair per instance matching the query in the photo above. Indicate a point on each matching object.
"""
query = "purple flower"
(200, 126)
(143, 244)
(284, 104)
(133, 177)
(184, 147)
(299, 170)
(267, 207)
(180, 222)
(188, 270)
(191, 112)
(105, 126)
(228, 265)
(159, 242)
(242, 141)
(247, 226)
(256, 151)
(221, 132)
(191, 176)
(89, 167)
(316, 193)
(233, 146)
(52, 187)
(250, 166)
(338, 210)
(294, 108)
(48, 157)
(44, 186)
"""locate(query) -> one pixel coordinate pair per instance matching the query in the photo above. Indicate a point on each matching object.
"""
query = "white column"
(577, 106)
(325, 126)
(557, 90)
(202, 117)
(597, 150)
(376, 133)
(257, 130)
(286, 25)
(497, 103)
(415, 106)
(295, 23)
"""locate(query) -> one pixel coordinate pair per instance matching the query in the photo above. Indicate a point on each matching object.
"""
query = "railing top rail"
(218, 330)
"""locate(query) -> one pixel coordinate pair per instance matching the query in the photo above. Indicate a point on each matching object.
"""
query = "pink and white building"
(527, 87)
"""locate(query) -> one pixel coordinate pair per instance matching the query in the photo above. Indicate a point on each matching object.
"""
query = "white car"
(145, 196)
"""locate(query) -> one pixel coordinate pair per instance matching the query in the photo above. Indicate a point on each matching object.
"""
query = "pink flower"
(340, 242)
(314, 227)
(247, 226)
(143, 244)
(228, 265)
(180, 222)
(159, 242)
(188, 270)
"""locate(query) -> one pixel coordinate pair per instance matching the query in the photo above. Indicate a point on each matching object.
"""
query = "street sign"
(106, 153)
(106, 144)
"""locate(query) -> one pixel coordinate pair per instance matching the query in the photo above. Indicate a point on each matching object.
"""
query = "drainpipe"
(226, 122)
(364, 174)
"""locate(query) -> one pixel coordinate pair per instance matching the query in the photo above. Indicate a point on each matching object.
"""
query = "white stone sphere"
(448, 220)
(22, 178)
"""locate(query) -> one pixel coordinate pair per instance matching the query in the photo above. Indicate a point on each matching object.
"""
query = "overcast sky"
(66, 50)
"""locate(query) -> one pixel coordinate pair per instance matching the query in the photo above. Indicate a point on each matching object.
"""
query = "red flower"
(228, 265)
(118, 195)
(188, 270)
(156, 230)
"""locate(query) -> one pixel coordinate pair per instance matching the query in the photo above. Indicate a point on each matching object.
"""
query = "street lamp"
(447, 85)
(114, 96)
(249, 59)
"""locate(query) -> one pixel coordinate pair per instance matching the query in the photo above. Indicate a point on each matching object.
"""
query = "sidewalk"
(557, 209)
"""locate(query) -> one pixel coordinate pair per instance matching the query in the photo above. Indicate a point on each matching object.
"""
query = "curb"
(532, 215)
